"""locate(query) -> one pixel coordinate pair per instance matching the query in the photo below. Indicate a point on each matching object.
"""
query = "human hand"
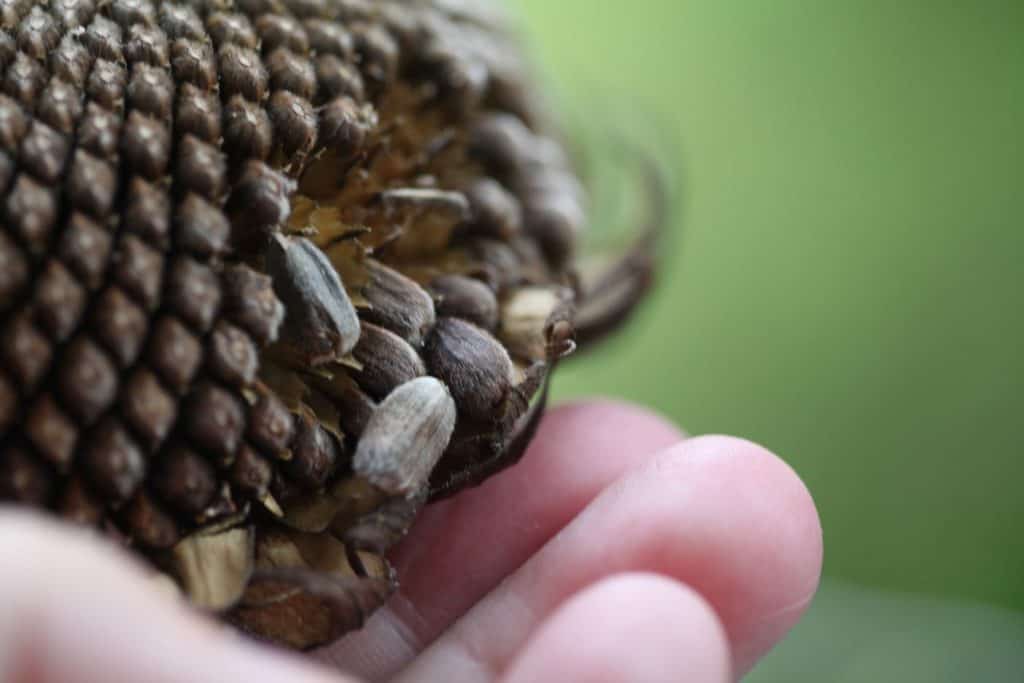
(614, 551)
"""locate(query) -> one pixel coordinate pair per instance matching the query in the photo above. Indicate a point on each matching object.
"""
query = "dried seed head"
(235, 240)
(406, 436)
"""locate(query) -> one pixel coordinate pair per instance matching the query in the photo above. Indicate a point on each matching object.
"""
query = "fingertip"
(636, 626)
(767, 524)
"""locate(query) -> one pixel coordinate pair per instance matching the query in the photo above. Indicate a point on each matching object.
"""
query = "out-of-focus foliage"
(849, 287)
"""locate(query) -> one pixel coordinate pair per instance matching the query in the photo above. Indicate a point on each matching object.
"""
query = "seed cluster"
(273, 273)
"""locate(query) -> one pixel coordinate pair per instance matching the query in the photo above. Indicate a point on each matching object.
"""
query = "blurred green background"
(848, 290)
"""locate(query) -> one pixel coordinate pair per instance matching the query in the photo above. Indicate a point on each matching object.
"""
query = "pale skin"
(617, 550)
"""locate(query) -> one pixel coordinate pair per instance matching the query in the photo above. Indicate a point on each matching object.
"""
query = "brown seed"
(406, 436)
(329, 37)
(139, 269)
(555, 218)
(192, 62)
(248, 133)
(288, 71)
(60, 106)
(52, 432)
(30, 211)
(378, 53)
(24, 479)
(242, 72)
(279, 30)
(146, 145)
(231, 28)
(174, 352)
(120, 325)
(8, 404)
(232, 355)
(14, 123)
(147, 44)
(73, 13)
(25, 350)
(114, 462)
(79, 505)
(44, 152)
(271, 426)
(71, 61)
(103, 38)
(148, 408)
(13, 272)
(99, 131)
(315, 454)
(59, 301)
(345, 126)
(250, 302)
(199, 226)
(495, 211)
(92, 184)
(215, 420)
(24, 79)
(501, 142)
(185, 481)
(86, 380)
(294, 122)
(38, 34)
(386, 359)
(321, 324)
(193, 292)
(130, 12)
(181, 21)
(462, 297)
(198, 113)
(398, 303)
(146, 522)
(251, 473)
(259, 203)
(146, 213)
(336, 78)
(151, 91)
(106, 83)
(473, 364)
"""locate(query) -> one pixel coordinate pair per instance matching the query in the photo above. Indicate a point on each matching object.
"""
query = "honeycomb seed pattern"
(149, 152)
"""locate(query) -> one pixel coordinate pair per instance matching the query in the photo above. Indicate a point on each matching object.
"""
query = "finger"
(461, 548)
(720, 515)
(632, 627)
(74, 610)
